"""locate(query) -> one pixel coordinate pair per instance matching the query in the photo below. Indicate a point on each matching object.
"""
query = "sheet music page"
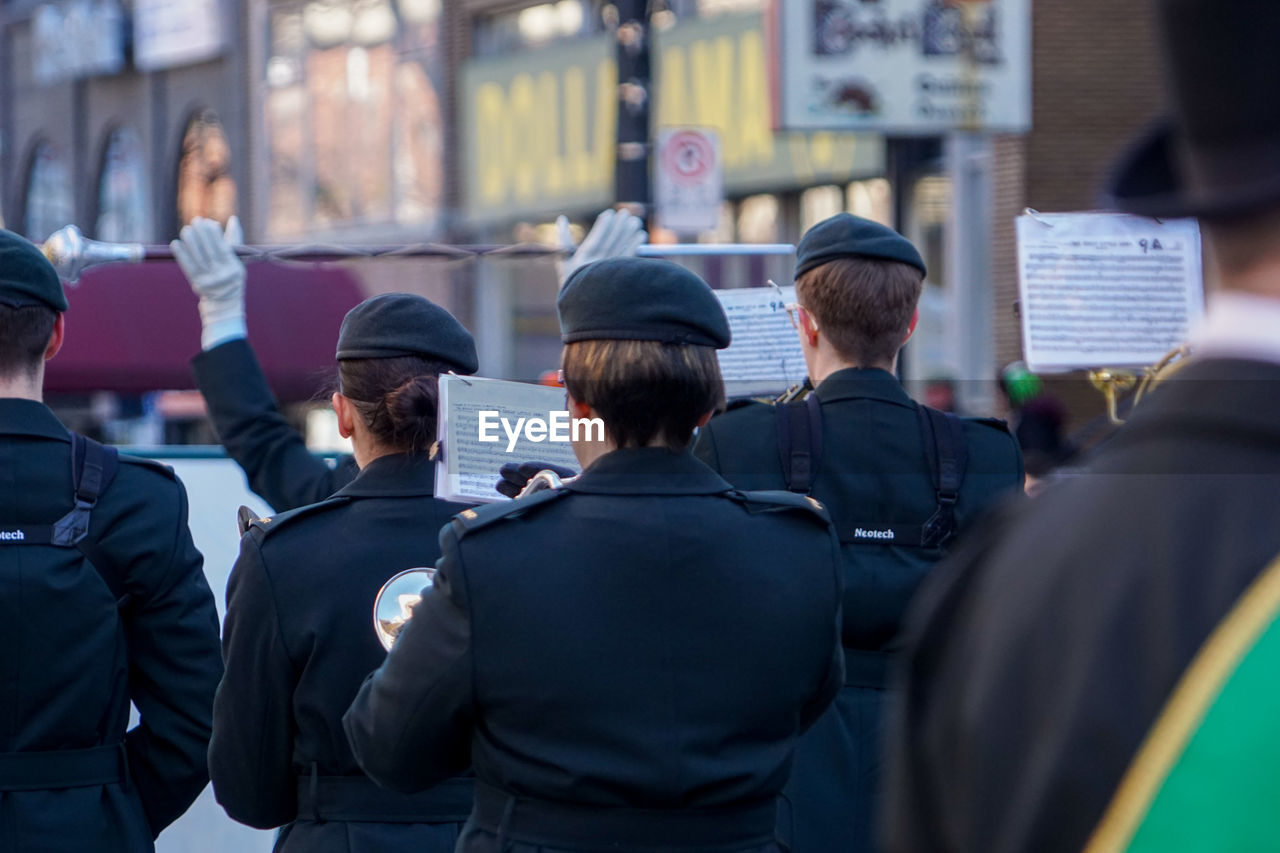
(511, 411)
(764, 357)
(1106, 289)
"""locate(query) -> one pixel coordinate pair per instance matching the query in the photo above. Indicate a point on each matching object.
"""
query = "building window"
(536, 26)
(205, 185)
(124, 206)
(50, 202)
(354, 116)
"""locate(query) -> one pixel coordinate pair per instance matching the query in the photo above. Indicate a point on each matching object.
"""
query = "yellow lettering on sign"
(522, 127)
(546, 153)
(755, 118)
(673, 108)
(606, 124)
(713, 93)
(822, 149)
(491, 111)
(577, 166)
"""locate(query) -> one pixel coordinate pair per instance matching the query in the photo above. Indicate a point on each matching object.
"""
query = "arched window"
(205, 185)
(50, 202)
(124, 198)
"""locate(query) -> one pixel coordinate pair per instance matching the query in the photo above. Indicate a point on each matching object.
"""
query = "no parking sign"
(689, 184)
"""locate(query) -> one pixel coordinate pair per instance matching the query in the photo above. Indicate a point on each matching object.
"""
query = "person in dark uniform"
(898, 479)
(248, 422)
(628, 660)
(103, 603)
(298, 640)
(1047, 664)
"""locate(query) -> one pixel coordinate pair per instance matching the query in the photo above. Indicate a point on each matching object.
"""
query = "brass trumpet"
(543, 480)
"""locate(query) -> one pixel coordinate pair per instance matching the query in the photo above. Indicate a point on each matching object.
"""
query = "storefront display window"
(50, 202)
(124, 206)
(536, 26)
(205, 185)
(354, 116)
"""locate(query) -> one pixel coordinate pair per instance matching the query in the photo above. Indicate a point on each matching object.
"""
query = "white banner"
(903, 66)
(1106, 289)
(167, 33)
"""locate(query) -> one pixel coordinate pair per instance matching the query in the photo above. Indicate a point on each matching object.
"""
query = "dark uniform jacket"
(1045, 649)
(628, 661)
(873, 473)
(72, 658)
(298, 642)
(254, 433)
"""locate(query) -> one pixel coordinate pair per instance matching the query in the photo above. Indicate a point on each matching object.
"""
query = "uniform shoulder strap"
(479, 517)
(947, 453)
(800, 442)
(269, 524)
(780, 501)
(93, 467)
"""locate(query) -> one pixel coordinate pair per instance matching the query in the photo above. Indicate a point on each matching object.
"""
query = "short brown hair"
(396, 397)
(864, 307)
(24, 338)
(645, 391)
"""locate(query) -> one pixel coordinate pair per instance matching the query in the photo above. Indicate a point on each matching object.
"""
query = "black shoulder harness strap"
(800, 441)
(946, 455)
(93, 467)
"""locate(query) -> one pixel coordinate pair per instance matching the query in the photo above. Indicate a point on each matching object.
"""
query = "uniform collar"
(869, 383)
(649, 471)
(1216, 395)
(27, 417)
(396, 475)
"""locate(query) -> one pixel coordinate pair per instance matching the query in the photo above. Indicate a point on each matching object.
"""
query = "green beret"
(847, 236)
(398, 324)
(639, 299)
(26, 276)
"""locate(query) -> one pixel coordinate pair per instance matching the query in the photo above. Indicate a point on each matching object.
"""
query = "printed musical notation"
(1106, 290)
(764, 357)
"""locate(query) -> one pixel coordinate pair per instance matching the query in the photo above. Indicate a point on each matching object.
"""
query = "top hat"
(1219, 155)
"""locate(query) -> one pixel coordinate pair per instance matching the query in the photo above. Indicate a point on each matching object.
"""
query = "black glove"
(516, 477)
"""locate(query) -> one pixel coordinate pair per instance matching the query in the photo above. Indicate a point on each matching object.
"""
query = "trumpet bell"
(71, 253)
(393, 607)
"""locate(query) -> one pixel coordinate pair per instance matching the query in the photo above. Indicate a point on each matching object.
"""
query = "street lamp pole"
(631, 175)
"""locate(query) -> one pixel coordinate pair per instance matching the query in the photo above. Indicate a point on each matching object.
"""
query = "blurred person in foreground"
(245, 415)
(628, 660)
(103, 604)
(899, 479)
(1097, 670)
(298, 641)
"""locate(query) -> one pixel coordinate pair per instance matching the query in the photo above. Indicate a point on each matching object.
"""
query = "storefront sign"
(76, 39)
(538, 129)
(167, 33)
(904, 66)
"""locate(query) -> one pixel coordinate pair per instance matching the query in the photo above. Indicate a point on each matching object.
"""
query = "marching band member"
(297, 640)
(899, 480)
(629, 660)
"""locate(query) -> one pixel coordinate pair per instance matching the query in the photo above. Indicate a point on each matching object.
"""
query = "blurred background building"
(479, 121)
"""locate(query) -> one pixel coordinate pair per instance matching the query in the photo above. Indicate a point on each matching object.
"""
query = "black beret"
(847, 236)
(26, 276)
(640, 299)
(397, 324)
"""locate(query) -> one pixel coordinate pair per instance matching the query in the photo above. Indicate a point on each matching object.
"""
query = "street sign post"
(689, 180)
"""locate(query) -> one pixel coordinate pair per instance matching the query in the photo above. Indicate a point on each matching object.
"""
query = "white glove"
(204, 252)
(616, 234)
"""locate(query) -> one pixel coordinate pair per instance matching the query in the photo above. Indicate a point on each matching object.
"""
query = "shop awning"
(134, 329)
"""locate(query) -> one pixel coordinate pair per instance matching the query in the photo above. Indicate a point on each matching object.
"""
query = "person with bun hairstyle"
(297, 639)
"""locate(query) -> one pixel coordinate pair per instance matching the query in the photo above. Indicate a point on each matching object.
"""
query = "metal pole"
(631, 175)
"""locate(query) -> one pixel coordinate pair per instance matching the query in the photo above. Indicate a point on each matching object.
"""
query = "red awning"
(133, 329)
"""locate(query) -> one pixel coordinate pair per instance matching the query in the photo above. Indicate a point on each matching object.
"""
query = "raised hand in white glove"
(615, 234)
(205, 254)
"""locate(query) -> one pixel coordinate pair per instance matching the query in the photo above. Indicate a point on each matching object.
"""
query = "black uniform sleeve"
(410, 725)
(171, 630)
(251, 754)
(249, 425)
